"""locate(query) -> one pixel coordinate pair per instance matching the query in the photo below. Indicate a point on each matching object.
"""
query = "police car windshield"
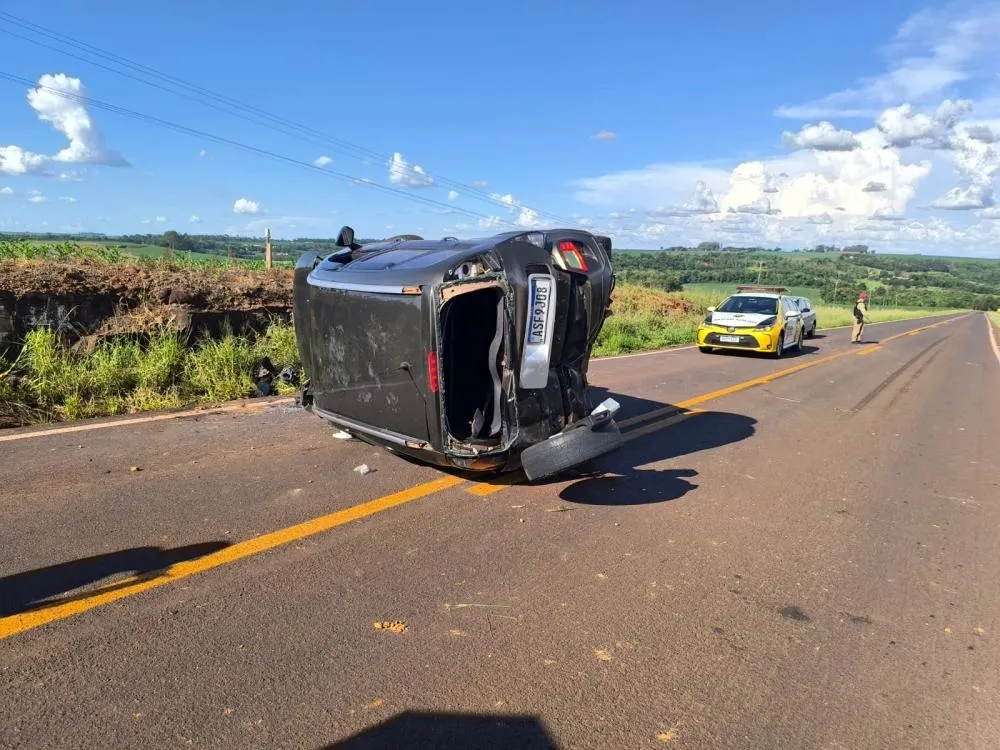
(750, 305)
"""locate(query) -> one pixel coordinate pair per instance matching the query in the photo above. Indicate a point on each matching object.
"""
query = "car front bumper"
(746, 339)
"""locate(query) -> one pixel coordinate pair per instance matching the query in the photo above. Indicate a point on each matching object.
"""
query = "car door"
(791, 321)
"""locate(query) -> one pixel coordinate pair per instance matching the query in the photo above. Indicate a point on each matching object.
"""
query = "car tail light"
(572, 256)
(432, 371)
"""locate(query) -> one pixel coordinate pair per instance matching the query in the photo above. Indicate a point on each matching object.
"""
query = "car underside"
(471, 354)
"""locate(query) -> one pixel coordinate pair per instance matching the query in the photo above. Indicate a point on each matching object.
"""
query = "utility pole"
(267, 248)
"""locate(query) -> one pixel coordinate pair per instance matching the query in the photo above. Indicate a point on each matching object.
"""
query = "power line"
(228, 104)
(150, 119)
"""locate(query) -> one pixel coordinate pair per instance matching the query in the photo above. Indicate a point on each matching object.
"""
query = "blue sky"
(780, 123)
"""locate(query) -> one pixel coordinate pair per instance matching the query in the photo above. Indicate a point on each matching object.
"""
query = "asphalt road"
(802, 561)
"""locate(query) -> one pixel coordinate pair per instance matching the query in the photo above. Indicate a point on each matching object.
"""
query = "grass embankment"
(53, 381)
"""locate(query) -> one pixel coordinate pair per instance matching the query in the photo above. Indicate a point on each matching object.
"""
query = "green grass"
(52, 381)
(719, 292)
(125, 253)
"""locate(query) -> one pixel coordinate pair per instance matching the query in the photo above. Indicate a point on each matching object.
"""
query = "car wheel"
(798, 342)
(778, 351)
(569, 449)
(812, 332)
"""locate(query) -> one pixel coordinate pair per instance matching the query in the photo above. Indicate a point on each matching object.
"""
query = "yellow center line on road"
(59, 610)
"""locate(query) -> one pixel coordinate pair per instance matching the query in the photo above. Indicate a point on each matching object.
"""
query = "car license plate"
(729, 339)
(540, 289)
(537, 348)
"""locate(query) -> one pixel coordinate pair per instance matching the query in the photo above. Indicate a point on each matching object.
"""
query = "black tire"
(812, 332)
(779, 350)
(568, 449)
(798, 341)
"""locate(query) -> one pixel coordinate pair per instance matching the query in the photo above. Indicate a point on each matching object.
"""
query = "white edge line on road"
(203, 412)
(993, 337)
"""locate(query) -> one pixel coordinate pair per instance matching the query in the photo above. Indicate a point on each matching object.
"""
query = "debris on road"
(377, 703)
(134, 468)
(341, 435)
(396, 626)
(667, 735)
(362, 469)
(602, 654)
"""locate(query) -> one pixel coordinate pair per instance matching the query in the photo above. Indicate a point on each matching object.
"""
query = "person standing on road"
(860, 313)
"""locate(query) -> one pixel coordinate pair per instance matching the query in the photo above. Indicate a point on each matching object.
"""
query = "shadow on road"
(441, 731)
(23, 591)
(807, 349)
(616, 479)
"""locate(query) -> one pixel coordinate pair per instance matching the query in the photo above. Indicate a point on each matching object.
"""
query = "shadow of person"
(616, 479)
(23, 591)
(442, 731)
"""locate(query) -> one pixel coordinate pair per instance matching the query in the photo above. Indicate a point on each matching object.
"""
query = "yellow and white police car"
(762, 319)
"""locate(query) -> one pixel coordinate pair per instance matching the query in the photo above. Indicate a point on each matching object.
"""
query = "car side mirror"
(793, 313)
(346, 238)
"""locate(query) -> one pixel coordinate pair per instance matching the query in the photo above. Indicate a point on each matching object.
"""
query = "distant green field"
(721, 291)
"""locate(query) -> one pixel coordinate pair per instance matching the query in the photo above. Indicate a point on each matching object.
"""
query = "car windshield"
(750, 305)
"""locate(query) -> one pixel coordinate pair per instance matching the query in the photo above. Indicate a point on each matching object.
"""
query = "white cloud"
(6, 191)
(479, 184)
(491, 222)
(903, 127)
(822, 137)
(194, 219)
(37, 197)
(966, 199)
(246, 206)
(203, 153)
(452, 195)
(933, 51)
(508, 199)
(68, 199)
(160, 219)
(60, 100)
(604, 135)
(403, 173)
(70, 176)
(323, 161)
(15, 160)
(528, 218)
(874, 186)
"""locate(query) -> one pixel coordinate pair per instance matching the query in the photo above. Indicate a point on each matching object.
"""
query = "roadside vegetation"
(659, 301)
(51, 380)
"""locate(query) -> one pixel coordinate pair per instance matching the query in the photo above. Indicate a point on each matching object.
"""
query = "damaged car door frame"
(471, 354)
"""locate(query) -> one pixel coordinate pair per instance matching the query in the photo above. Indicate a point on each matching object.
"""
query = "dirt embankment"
(93, 298)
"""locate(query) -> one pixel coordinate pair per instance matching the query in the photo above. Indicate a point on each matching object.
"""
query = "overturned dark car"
(471, 354)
